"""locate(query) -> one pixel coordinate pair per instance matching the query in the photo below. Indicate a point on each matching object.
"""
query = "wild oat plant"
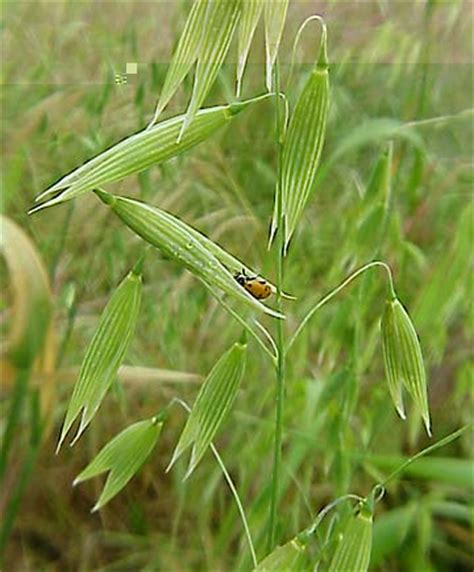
(339, 537)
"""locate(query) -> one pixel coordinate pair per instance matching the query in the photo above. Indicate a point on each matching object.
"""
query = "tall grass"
(338, 430)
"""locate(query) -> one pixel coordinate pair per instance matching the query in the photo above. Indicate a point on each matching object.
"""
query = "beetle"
(258, 287)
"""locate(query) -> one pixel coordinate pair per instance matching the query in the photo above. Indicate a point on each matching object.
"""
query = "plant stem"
(232, 487)
(23, 477)
(323, 512)
(20, 392)
(238, 502)
(280, 341)
(441, 443)
(341, 286)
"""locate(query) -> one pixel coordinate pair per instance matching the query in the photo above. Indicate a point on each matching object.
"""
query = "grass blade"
(448, 470)
(104, 354)
(141, 151)
(376, 206)
(275, 17)
(443, 284)
(212, 405)
(390, 531)
(374, 131)
(182, 244)
(221, 22)
(304, 143)
(184, 56)
(251, 12)
(122, 456)
(379, 186)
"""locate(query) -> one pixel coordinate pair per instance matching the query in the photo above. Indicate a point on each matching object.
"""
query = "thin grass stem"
(61, 241)
(238, 503)
(267, 334)
(324, 33)
(20, 391)
(280, 341)
(230, 482)
(332, 293)
(423, 452)
(287, 115)
(24, 476)
(438, 119)
(323, 512)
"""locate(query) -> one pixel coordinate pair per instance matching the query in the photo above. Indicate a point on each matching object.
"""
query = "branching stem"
(332, 293)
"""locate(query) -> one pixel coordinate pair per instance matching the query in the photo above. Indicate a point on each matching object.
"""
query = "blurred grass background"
(400, 71)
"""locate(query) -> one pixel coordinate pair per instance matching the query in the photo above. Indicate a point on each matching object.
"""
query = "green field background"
(400, 71)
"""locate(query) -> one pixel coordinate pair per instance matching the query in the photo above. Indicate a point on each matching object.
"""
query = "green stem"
(441, 443)
(238, 502)
(280, 341)
(323, 57)
(230, 482)
(336, 291)
(24, 476)
(61, 241)
(322, 513)
(20, 392)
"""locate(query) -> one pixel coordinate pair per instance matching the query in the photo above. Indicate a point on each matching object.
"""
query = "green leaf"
(212, 405)
(123, 457)
(375, 207)
(275, 18)
(377, 130)
(141, 151)
(451, 510)
(182, 244)
(104, 354)
(379, 187)
(403, 360)
(303, 146)
(444, 285)
(453, 472)
(185, 54)
(390, 531)
(251, 12)
(221, 22)
(355, 544)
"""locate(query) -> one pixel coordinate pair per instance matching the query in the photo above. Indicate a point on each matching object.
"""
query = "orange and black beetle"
(258, 287)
